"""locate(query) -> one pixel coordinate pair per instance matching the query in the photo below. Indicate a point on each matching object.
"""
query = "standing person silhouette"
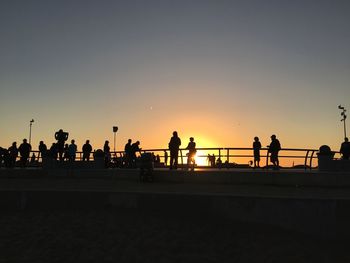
(42, 149)
(165, 158)
(345, 149)
(256, 150)
(174, 146)
(13, 154)
(274, 148)
(53, 151)
(72, 151)
(135, 147)
(24, 150)
(107, 151)
(61, 137)
(87, 149)
(128, 154)
(191, 147)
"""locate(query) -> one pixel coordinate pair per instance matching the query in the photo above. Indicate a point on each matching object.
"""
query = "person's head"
(60, 130)
(256, 139)
(175, 133)
(138, 142)
(191, 139)
(273, 137)
(87, 141)
(129, 141)
(346, 139)
(72, 141)
(14, 143)
(106, 142)
(24, 140)
(41, 143)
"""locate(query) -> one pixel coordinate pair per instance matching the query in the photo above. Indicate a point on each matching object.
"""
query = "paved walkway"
(130, 183)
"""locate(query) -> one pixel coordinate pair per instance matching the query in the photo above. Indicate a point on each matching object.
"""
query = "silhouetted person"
(24, 150)
(107, 151)
(256, 150)
(128, 153)
(135, 147)
(87, 149)
(211, 160)
(6, 157)
(191, 147)
(219, 162)
(174, 146)
(165, 158)
(345, 149)
(274, 148)
(66, 153)
(2, 151)
(53, 152)
(13, 154)
(72, 151)
(61, 137)
(42, 149)
(33, 159)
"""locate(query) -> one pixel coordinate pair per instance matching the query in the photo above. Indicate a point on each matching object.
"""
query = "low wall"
(321, 217)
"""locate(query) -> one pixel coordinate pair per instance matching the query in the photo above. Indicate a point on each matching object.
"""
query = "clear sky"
(220, 71)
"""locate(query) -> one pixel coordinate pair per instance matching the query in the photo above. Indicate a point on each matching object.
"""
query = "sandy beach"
(108, 235)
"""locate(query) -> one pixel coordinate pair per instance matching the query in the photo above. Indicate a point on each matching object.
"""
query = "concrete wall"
(321, 217)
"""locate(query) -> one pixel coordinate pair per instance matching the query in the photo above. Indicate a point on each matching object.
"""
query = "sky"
(220, 71)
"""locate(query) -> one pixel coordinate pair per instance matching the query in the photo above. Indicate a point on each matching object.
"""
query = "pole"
(343, 115)
(344, 129)
(114, 141)
(115, 129)
(30, 131)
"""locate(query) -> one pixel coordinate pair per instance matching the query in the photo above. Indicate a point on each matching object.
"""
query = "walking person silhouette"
(191, 147)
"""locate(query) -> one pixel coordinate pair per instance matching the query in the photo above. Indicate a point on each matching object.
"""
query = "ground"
(110, 235)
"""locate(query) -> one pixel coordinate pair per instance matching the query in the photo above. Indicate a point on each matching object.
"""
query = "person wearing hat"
(274, 148)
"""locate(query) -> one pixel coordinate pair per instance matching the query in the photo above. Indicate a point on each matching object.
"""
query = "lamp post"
(115, 129)
(343, 115)
(30, 130)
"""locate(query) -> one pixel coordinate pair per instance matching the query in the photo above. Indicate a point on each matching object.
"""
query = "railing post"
(182, 161)
(312, 155)
(228, 155)
(305, 163)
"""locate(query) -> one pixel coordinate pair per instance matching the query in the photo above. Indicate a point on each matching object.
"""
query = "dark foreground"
(110, 235)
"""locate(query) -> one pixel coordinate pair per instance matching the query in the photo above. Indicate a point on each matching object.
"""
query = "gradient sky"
(220, 71)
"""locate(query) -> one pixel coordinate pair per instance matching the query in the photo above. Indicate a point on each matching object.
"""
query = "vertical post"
(115, 129)
(344, 129)
(30, 130)
(114, 142)
(343, 115)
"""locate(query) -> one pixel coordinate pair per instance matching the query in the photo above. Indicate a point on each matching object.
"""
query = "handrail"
(287, 153)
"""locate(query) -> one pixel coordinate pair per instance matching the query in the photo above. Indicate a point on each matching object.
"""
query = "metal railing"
(230, 156)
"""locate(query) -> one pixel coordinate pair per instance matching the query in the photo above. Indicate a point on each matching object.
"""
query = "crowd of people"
(62, 151)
